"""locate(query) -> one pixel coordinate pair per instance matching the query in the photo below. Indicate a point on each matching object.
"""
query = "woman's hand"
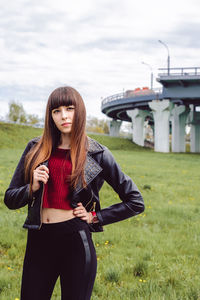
(41, 173)
(82, 213)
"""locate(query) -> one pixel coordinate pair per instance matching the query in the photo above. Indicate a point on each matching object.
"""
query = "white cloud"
(95, 46)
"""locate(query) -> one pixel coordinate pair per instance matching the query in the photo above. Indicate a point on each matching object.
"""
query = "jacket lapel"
(92, 168)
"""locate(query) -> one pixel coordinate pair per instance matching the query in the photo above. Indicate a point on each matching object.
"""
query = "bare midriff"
(54, 215)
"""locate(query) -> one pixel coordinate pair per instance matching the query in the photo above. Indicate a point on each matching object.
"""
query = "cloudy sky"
(96, 46)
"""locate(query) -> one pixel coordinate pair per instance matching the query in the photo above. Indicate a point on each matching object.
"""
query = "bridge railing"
(188, 71)
(112, 98)
(133, 94)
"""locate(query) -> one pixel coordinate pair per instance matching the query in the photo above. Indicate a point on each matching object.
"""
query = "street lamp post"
(168, 56)
(151, 73)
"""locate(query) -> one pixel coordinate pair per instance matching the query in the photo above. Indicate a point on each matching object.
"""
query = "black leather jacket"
(100, 166)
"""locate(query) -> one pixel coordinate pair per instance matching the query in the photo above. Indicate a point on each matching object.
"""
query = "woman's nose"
(64, 114)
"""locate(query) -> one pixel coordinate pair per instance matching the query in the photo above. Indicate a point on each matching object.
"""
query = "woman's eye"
(56, 111)
(70, 108)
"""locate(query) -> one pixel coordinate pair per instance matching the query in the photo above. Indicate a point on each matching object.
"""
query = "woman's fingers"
(41, 173)
(40, 176)
(42, 168)
(81, 212)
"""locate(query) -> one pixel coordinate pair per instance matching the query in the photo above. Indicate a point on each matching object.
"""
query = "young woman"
(59, 177)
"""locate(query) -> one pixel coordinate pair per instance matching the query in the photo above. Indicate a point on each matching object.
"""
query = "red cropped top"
(56, 191)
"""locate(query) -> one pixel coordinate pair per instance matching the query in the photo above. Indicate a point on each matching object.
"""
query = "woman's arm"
(17, 195)
(132, 202)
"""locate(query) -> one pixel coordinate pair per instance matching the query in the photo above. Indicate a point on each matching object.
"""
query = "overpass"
(175, 102)
(116, 106)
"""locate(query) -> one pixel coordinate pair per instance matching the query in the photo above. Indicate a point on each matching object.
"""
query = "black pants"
(60, 249)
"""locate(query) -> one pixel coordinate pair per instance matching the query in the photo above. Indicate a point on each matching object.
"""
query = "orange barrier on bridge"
(139, 91)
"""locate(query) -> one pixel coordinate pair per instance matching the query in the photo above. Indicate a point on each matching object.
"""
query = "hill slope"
(15, 136)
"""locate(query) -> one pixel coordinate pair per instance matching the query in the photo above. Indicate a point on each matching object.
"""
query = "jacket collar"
(92, 168)
(94, 146)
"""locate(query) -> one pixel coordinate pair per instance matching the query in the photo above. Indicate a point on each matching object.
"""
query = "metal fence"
(188, 71)
(124, 95)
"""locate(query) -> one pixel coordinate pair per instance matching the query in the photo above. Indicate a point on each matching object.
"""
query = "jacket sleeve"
(17, 194)
(132, 202)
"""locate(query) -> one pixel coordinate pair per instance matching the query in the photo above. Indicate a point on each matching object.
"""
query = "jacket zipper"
(33, 202)
(93, 207)
(41, 206)
(94, 204)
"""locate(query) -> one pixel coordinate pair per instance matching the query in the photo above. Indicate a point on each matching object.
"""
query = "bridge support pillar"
(161, 113)
(195, 131)
(114, 127)
(179, 116)
(138, 116)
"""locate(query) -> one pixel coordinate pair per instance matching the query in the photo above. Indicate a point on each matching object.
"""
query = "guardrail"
(124, 95)
(188, 71)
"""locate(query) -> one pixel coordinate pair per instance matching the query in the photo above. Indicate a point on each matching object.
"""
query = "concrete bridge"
(175, 103)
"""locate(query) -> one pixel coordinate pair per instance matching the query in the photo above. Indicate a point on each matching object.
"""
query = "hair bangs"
(61, 97)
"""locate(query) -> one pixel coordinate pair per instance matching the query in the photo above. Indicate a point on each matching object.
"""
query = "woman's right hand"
(40, 174)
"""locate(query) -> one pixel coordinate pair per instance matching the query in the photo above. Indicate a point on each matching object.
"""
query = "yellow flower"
(140, 280)
(16, 298)
(97, 245)
(191, 198)
(9, 268)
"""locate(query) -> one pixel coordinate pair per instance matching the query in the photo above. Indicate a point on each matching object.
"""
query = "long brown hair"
(63, 96)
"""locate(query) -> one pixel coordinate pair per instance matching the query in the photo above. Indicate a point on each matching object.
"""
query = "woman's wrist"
(35, 188)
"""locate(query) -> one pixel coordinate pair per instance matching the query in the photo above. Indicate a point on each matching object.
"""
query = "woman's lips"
(66, 124)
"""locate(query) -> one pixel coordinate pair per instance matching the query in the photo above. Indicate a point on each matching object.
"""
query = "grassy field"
(154, 256)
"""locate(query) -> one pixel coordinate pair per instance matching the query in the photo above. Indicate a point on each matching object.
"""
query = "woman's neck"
(65, 141)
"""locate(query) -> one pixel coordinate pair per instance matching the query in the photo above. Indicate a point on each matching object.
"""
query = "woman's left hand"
(82, 213)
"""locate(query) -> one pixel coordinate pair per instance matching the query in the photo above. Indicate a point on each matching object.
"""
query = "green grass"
(16, 136)
(114, 143)
(154, 256)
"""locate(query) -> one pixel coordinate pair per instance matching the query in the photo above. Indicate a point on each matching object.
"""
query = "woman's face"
(63, 118)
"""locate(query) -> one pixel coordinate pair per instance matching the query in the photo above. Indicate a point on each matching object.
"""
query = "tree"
(97, 125)
(17, 113)
(33, 119)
